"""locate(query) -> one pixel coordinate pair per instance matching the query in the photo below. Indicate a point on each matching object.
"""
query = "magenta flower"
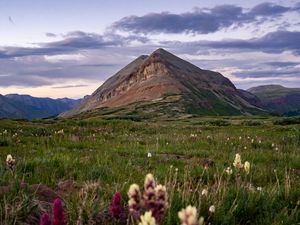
(58, 213)
(116, 207)
(45, 219)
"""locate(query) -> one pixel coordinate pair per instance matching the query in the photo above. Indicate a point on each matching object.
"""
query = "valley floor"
(85, 162)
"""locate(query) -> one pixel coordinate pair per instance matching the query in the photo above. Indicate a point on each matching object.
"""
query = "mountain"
(28, 107)
(164, 84)
(278, 99)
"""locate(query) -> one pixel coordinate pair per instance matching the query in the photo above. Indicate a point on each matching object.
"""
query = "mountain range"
(28, 107)
(160, 85)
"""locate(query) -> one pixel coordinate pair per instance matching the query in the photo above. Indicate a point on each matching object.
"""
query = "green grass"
(105, 156)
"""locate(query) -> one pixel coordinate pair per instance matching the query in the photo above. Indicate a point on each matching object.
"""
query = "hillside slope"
(278, 99)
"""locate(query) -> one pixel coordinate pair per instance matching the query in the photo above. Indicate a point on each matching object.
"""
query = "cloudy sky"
(67, 48)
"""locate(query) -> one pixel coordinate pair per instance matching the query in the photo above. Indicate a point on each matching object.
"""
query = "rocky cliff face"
(151, 78)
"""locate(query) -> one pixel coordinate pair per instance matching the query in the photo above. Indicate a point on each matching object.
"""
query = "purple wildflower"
(116, 207)
(45, 219)
(58, 213)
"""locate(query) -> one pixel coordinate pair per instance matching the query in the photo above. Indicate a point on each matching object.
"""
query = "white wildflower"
(228, 170)
(147, 219)
(247, 167)
(237, 161)
(204, 192)
(212, 209)
(259, 188)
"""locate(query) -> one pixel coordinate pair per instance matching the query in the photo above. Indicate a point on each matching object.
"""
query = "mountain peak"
(162, 54)
(161, 51)
(149, 79)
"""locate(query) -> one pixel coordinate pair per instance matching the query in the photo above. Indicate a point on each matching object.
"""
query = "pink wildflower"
(58, 213)
(45, 219)
(116, 207)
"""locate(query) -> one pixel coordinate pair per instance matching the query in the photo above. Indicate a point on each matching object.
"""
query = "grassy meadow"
(86, 161)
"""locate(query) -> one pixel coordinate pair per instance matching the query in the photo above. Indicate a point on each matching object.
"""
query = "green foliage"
(287, 121)
(107, 155)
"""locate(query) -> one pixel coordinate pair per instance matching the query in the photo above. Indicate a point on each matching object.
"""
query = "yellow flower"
(247, 167)
(147, 219)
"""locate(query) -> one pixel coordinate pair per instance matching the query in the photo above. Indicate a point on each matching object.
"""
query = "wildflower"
(237, 161)
(204, 192)
(188, 216)
(149, 192)
(149, 155)
(259, 188)
(240, 138)
(201, 220)
(60, 131)
(116, 207)
(10, 162)
(228, 170)
(134, 196)
(245, 147)
(161, 202)
(212, 209)
(247, 167)
(58, 213)
(252, 141)
(259, 142)
(45, 219)
(147, 219)
(273, 145)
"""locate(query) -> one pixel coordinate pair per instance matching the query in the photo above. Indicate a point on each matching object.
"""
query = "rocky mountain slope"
(162, 83)
(28, 107)
(278, 99)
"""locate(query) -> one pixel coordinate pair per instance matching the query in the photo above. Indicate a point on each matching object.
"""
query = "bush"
(287, 121)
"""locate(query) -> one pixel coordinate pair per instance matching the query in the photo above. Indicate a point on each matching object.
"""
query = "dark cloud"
(269, 9)
(282, 64)
(201, 21)
(25, 81)
(268, 73)
(72, 42)
(274, 42)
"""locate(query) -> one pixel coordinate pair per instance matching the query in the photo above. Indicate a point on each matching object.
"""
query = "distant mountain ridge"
(163, 83)
(28, 107)
(278, 99)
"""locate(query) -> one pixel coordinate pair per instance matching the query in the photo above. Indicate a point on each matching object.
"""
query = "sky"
(68, 48)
